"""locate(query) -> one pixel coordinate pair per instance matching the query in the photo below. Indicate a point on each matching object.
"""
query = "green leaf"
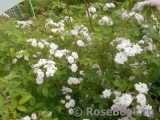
(15, 114)
(14, 102)
(21, 108)
(14, 84)
(80, 87)
(5, 109)
(129, 86)
(12, 50)
(136, 32)
(118, 83)
(45, 113)
(30, 109)
(59, 109)
(144, 9)
(156, 61)
(4, 80)
(12, 75)
(39, 105)
(125, 84)
(24, 99)
(121, 89)
(97, 100)
(1, 100)
(148, 15)
(30, 78)
(2, 84)
(100, 106)
(13, 94)
(5, 116)
(55, 119)
(25, 82)
(45, 91)
(48, 118)
(121, 85)
(32, 101)
(21, 91)
(24, 73)
(10, 106)
(1, 111)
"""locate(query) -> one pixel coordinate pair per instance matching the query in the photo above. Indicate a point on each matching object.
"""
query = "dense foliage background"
(73, 53)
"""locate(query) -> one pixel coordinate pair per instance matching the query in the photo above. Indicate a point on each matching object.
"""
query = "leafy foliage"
(22, 95)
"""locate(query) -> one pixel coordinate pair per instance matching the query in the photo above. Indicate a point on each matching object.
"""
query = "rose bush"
(92, 55)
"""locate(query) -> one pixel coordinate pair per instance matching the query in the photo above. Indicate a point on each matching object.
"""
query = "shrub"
(92, 57)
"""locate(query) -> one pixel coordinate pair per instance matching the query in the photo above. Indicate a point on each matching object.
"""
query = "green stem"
(69, 16)
(32, 8)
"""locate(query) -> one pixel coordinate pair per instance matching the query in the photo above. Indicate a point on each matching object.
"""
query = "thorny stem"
(70, 19)
(69, 15)
(90, 20)
(44, 25)
(11, 113)
(117, 33)
(123, 26)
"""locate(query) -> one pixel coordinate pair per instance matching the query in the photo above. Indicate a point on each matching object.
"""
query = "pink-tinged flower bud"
(34, 116)
(156, 2)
